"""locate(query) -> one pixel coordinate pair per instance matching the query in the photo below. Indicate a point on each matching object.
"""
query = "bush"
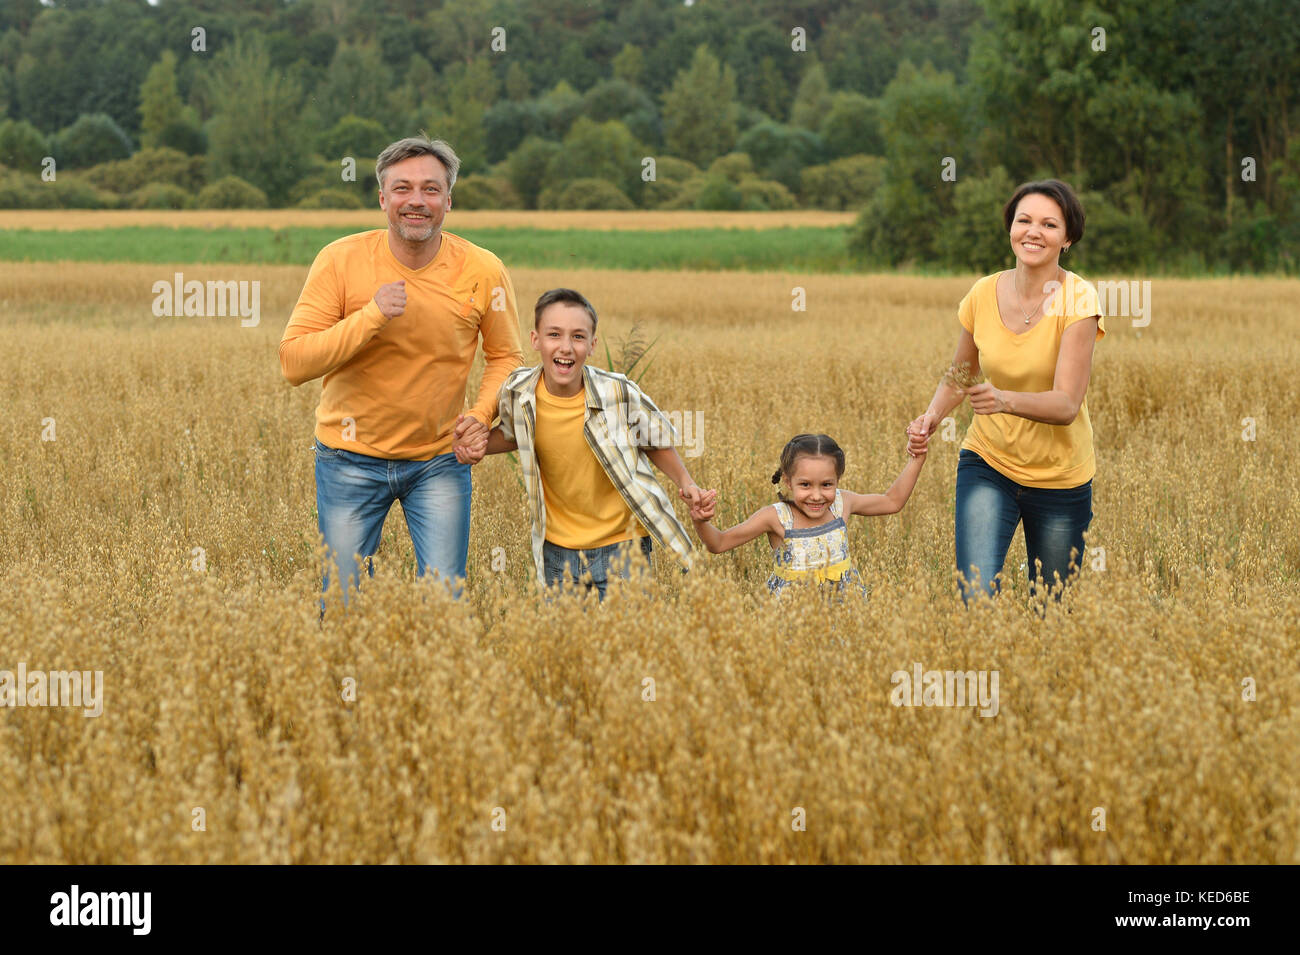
(974, 238)
(149, 166)
(21, 191)
(1113, 240)
(22, 146)
(843, 184)
(762, 195)
(231, 192)
(526, 168)
(322, 175)
(485, 192)
(584, 194)
(781, 152)
(331, 199)
(183, 137)
(92, 138)
(671, 176)
(354, 136)
(158, 195)
(733, 167)
(718, 194)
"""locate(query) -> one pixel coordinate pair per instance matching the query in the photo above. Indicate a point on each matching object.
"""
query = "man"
(392, 319)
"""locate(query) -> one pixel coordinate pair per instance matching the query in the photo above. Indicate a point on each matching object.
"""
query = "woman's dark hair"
(1058, 192)
(810, 445)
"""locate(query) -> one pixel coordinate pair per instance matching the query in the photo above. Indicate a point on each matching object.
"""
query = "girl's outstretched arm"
(761, 521)
(892, 501)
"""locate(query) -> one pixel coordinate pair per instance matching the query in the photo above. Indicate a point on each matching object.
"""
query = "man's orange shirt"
(393, 388)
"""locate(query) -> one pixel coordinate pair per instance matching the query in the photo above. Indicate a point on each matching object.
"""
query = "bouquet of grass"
(961, 377)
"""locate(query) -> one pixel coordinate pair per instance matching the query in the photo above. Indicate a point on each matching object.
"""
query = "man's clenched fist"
(391, 298)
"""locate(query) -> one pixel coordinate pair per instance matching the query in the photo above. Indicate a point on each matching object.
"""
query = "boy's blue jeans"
(354, 493)
(990, 505)
(592, 566)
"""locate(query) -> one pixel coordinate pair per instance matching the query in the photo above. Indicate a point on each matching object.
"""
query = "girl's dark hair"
(809, 445)
(1058, 192)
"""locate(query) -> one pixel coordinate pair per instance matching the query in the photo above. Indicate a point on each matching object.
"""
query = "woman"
(1028, 454)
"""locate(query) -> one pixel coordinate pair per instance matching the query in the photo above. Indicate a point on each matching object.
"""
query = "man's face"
(416, 197)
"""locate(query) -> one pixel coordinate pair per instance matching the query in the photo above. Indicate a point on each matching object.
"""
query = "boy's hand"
(692, 494)
(704, 508)
(469, 440)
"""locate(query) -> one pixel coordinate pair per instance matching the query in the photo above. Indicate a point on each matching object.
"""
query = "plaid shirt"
(618, 421)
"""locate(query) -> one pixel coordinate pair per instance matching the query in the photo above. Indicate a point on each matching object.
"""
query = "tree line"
(1176, 121)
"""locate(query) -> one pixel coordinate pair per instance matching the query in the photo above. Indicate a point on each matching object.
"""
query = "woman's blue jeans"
(354, 493)
(990, 505)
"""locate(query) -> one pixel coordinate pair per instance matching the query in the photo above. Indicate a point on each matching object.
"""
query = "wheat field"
(506, 729)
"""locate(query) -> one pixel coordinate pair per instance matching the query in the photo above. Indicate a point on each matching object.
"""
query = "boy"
(586, 439)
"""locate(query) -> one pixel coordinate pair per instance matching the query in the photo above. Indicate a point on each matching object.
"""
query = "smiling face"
(416, 198)
(564, 338)
(1038, 230)
(811, 485)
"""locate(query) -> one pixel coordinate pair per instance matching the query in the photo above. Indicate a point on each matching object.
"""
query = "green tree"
(629, 64)
(700, 109)
(526, 167)
(22, 146)
(812, 101)
(256, 133)
(599, 151)
(852, 127)
(92, 139)
(518, 86)
(160, 103)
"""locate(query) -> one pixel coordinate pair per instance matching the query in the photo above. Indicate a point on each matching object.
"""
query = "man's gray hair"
(418, 146)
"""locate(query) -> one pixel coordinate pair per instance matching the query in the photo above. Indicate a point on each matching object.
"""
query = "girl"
(806, 526)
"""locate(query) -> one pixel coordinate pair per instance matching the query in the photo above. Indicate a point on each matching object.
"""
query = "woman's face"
(1038, 230)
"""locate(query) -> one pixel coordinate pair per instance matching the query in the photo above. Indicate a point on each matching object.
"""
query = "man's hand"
(469, 439)
(391, 299)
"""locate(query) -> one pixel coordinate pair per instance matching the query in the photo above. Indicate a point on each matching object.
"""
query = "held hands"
(918, 434)
(702, 506)
(391, 299)
(469, 440)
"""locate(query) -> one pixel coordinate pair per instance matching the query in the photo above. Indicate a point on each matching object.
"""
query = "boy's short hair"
(567, 296)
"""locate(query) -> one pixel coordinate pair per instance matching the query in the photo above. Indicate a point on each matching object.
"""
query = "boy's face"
(812, 485)
(564, 339)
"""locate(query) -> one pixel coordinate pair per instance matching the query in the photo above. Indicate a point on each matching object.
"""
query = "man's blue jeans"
(990, 505)
(354, 493)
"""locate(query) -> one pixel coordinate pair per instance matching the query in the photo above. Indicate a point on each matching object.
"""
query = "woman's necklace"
(1028, 315)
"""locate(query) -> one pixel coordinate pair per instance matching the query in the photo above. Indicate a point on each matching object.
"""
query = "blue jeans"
(354, 493)
(990, 505)
(592, 566)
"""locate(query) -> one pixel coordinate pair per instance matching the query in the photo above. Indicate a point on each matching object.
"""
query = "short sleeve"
(966, 311)
(1084, 302)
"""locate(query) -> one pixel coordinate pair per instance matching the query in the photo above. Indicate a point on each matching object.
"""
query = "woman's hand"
(918, 434)
(985, 399)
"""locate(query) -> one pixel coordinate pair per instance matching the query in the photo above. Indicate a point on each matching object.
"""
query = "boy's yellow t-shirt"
(583, 508)
(1030, 452)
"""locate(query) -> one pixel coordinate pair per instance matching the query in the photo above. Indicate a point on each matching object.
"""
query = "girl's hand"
(918, 434)
(704, 509)
(985, 399)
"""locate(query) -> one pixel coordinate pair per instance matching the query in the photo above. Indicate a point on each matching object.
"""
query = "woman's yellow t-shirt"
(583, 508)
(1030, 452)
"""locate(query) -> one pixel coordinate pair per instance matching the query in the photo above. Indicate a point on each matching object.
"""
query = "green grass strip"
(803, 249)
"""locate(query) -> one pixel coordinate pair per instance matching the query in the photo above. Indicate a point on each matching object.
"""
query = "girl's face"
(812, 483)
